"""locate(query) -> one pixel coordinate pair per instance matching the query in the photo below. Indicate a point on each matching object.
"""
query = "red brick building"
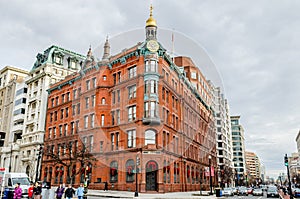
(136, 107)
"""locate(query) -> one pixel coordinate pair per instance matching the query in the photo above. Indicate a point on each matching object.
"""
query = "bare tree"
(226, 175)
(70, 156)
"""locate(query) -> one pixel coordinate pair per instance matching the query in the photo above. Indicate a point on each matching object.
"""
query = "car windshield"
(257, 189)
(227, 189)
(273, 189)
(22, 181)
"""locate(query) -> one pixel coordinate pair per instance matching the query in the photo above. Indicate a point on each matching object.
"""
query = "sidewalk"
(127, 194)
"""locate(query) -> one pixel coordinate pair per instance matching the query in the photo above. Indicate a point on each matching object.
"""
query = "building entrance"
(151, 176)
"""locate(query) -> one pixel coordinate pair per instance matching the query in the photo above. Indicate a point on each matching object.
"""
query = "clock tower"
(151, 27)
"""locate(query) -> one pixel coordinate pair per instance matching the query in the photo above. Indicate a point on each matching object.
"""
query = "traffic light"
(286, 160)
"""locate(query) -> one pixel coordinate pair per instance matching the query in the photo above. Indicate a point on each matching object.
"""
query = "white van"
(11, 179)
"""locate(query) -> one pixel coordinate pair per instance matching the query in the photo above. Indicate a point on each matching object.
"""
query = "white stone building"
(223, 135)
(238, 149)
(50, 67)
(10, 77)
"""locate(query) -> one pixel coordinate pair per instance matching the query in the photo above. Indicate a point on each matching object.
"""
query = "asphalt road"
(249, 197)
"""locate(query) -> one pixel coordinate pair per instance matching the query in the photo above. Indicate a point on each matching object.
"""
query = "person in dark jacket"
(105, 186)
(37, 191)
(60, 191)
(69, 192)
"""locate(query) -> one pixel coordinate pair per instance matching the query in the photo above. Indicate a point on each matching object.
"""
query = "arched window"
(61, 174)
(188, 173)
(113, 171)
(192, 175)
(130, 166)
(28, 170)
(150, 137)
(151, 166)
(165, 171)
(50, 174)
(73, 174)
(56, 174)
(45, 174)
(103, 101)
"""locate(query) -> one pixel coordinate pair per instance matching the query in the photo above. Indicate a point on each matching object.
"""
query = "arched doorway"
(151, 176)
(28, 170)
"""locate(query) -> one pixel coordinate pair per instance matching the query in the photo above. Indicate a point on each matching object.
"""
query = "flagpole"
(172, 46)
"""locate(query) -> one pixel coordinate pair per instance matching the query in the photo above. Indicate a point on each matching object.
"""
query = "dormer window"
(58, 57)
(57, 60)
(72, 62)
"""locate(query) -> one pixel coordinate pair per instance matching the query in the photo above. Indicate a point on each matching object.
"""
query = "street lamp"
(11, 148)
(85, 182)
(210, 178)
(286, 162)
(136, 193)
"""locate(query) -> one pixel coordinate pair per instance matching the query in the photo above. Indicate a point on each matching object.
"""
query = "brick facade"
(136, 104)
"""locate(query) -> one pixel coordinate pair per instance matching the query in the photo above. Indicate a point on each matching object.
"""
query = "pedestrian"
(37, 191)
(18, 192)
(79, 191)
(30, 191)
(105, 186)
(69, 192)
(60, 191)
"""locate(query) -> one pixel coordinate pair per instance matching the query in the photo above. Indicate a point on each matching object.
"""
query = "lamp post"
(37, 176)
(85, 182)
(288, 173)
(11, 147)
(210, 178)
(136, 193)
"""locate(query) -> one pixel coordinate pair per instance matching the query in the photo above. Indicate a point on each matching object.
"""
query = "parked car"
(296, 192)
(227, 192)
(243, 191)
(258, 192)
(272, 192)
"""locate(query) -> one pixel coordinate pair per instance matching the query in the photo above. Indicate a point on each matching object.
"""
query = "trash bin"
(218, 192)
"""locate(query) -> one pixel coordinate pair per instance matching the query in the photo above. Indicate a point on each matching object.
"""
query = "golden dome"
(151, 21)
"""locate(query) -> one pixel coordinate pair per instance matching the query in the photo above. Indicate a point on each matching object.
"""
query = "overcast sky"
(255, 46)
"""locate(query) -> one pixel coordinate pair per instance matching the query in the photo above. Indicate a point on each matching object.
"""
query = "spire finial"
(89, 54)
(106, 52)
(151, 10)
(151, 21)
